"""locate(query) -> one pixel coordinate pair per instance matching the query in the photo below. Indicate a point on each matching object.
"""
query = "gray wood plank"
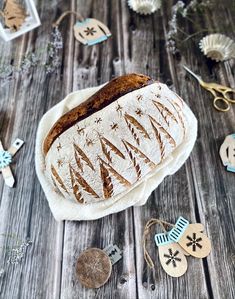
(24, 210)
(168, 201)
(213, 186)
(93, 66)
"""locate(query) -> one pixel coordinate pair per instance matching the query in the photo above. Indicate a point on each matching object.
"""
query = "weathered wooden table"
(201, 190)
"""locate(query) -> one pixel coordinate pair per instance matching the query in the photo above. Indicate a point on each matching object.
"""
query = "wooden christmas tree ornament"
(171, 255)
(17, 18)
(191, 238)
(14, 15)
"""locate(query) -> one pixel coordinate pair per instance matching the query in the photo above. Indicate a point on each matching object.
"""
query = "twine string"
(147, 230)
(64, 14)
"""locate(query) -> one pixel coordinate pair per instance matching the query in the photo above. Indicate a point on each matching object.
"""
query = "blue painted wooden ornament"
(191, 238)
(171, 255)
(91, 32)
(5, 159)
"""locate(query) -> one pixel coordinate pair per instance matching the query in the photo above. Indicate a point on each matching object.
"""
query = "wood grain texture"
(200, 191)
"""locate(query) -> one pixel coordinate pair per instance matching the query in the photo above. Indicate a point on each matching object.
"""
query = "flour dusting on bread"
(106, 154)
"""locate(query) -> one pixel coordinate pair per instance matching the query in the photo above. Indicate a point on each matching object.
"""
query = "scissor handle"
(224, 90)
(227, 97)
(221, 104)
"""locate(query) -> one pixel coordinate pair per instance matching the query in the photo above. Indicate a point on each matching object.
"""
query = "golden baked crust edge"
(113, 90)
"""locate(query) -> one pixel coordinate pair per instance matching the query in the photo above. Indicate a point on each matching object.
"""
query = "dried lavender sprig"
(32, 60)
(170, 42)
(180, 7)
(53, 48)
(17, 254)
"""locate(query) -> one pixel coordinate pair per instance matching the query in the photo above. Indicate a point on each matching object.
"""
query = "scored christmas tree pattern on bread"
(129, 135)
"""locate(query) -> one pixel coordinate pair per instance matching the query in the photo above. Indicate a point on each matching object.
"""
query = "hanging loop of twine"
(147, 230)
(68, 12)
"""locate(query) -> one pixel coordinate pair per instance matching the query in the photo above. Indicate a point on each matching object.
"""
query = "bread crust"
(105, 96)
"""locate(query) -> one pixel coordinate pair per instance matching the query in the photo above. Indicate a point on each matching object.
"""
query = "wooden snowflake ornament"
(6, 159)
(171, 255)
(191, 238)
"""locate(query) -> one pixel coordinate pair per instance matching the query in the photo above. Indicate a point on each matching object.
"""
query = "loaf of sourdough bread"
(114, 140)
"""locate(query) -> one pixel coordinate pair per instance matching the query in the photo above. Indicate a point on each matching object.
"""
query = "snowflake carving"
(98, 120)
(89, 142)
(59, 147)
(194, 242)
(140, 97)
(90, 31)
(60, 162)
(114, 126)
(139, 112)
(119, 109)
(5, 159)
(80, 130)
(172, 257)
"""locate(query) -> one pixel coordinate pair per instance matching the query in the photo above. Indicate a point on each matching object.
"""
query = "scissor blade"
(192, 73)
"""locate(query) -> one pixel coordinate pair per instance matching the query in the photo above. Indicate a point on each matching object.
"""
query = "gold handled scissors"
(222, 101)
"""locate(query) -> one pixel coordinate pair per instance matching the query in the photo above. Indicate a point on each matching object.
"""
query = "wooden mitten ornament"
(191, 238)
(171, 255)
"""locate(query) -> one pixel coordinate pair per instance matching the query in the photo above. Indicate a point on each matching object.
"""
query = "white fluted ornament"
(218, 47)
(144, 7)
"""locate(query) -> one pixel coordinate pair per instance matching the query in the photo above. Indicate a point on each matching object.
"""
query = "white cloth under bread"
(64, 209)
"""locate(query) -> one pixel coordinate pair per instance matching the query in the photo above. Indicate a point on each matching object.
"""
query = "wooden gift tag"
(91, 31)
(171, 255)
(191, 238)
(227, 152)
(114, 253)
(94, 266)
